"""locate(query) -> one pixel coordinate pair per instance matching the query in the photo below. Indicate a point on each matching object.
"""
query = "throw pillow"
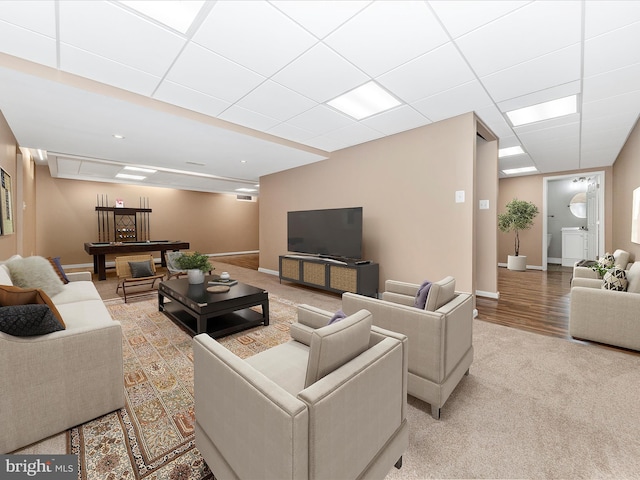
(57, 267)
(11, 296)
(35, 272)
(334, 345)
(615, 279)
(339, 315)
(421, 295)
(607, 260)
(28, 320)
(141, 269)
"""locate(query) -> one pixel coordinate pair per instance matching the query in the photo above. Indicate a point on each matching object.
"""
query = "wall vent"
(245, 198)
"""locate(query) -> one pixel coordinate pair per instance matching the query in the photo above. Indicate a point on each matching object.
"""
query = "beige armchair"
(621, 259)
(329, 404)
(440, 337)
(606, 316)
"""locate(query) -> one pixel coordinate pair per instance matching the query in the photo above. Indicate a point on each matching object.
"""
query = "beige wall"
(530, 188)
(406, 184)
(210, 222)
(8, 152)
(626, 173)
(26, 205)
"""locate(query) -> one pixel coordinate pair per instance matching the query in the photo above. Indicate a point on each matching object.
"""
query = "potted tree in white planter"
(519, 216)
(196, 264)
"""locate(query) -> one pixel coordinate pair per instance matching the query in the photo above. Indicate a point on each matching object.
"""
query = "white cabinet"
(574, 245)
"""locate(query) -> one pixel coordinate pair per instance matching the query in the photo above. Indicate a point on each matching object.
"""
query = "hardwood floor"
(532, 300)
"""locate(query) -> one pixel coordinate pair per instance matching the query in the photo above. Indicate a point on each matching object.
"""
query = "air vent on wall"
(244, 198)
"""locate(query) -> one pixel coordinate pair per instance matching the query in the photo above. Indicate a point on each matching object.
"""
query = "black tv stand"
(333, 274)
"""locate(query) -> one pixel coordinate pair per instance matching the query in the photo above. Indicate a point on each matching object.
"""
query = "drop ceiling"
(241, 90)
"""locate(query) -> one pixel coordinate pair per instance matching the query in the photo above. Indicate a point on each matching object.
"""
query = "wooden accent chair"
(136, 277)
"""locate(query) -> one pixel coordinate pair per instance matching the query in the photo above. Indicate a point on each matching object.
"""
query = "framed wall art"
(6, 203)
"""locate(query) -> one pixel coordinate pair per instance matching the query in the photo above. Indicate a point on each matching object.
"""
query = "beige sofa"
(621, 259)
(440, 336)
(53, 382)
(306, 409)
(606, 316)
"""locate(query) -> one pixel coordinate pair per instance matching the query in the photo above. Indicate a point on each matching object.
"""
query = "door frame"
(601, 211)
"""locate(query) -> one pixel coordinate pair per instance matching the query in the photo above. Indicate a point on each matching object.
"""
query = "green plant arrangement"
(519, 216)
(194, 261)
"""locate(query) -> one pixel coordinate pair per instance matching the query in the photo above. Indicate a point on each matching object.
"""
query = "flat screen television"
(335, 232)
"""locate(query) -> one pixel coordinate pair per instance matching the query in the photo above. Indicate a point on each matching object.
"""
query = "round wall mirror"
(578, 205)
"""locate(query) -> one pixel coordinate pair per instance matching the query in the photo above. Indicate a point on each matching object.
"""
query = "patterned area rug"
(152, 437)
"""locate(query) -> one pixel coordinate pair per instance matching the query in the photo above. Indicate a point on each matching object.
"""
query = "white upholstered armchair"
(440, 335)
(329, 404)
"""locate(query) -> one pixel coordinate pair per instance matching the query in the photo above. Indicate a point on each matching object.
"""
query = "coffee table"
(217, 314)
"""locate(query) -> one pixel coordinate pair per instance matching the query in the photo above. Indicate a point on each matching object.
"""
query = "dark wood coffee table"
(217, 314)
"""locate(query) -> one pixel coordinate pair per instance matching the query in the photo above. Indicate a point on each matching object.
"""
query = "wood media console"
(332, 275)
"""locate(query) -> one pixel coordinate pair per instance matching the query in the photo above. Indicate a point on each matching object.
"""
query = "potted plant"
(519, 216)
(196, 264)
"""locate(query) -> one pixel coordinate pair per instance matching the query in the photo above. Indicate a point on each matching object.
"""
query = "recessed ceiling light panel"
(544, 111)
(509, 151)
(126, 176)
(246, 190)
(140, 169)
(364, 101)
(513, 171)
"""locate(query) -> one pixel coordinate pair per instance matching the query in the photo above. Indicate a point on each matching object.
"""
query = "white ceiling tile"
(276, 101)
(207, 72)
(253, 34)
(625, 103)
(560, 67)
(465, 98)
(345, 137)
(36, 15)
(543, 138)
(182, 96)
(462, 16)
(247, 118)
(99, 169)
(396, 120)
(612, 83)
(431, 73)
(319, 16)
(68, 166)
(493, 118)
(602, 16)
(320, 120)
(320, 74)
(612, 50)
(514, 161)
(387, 34)
(295, 134)
(110, 31)
(23, 43)
(85, 64)
(533, 30)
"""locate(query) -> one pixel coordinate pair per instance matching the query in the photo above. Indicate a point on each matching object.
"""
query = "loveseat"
(329, 404)
(606, 316)
(440, 334)
(58, 380)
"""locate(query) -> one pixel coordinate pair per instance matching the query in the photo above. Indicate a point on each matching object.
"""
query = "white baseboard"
(554, 260)
(475, 312)
(232, 253)
(529, 267)
(270, 272)
(494, 295)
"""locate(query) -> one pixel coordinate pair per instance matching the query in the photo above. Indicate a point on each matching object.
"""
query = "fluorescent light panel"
(544, 111)
(139, 169)
(364, 101)
(176, 14)
(513, 171)
(130, 177)
(509, 151)
(246, 190)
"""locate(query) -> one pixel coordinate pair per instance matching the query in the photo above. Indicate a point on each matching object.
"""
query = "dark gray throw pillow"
(421, 295)
(28, 320)
(140, 269)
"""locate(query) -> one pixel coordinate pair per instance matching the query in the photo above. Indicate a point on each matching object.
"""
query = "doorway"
(574, 203)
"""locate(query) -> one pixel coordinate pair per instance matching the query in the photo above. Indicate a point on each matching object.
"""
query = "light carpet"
(153, 436)
(532, 407)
